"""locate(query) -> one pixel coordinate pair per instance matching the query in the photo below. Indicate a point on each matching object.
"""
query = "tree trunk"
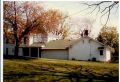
(16, 49)
(6, 42)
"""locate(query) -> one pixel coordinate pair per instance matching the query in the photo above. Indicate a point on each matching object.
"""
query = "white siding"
(108, 54)
(54, 54)
(96, 53)
(86, 49)
(37, 38)
(30, 40)
(80, 51)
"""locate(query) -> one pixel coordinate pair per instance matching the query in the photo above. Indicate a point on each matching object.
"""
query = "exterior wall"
(54, 54)
(37, 38)
(80, 51)
(108, 54)
(86, 49)
(95, 53)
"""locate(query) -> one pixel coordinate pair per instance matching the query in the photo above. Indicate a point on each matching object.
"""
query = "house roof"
(64, 44)
(107, 46)
(92, 40)
(110, 48)
(58, 44)
(36, 44)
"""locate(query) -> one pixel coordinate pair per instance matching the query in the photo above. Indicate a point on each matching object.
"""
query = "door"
(34, 52)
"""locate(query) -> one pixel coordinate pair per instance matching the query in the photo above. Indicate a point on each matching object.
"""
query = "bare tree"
(63, 30)
(103, 7)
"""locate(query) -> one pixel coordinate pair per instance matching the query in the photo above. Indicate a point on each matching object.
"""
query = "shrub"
(73, 59)
(93, 59)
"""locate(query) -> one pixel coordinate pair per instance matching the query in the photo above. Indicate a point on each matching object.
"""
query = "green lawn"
(51, 70)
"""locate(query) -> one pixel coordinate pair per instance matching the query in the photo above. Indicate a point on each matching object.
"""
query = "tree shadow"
(11, 57)
(73, 74)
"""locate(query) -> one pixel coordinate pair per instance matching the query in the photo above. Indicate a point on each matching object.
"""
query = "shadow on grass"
(74, 74)
(17, 57)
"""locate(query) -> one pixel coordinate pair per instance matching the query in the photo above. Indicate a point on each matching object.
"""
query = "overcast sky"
(75, 10)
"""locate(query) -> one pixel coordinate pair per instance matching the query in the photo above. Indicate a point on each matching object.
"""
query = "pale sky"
(73, 8)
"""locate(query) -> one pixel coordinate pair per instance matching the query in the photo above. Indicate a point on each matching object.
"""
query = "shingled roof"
(64, 44)
(58, 44)
(36, 44)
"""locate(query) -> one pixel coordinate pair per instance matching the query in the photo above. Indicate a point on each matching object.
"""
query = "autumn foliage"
(23, 18)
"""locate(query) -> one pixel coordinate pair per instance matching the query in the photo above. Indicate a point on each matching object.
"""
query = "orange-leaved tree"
(24, 18)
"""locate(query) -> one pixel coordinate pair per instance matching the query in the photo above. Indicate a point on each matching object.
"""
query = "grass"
(52, 70)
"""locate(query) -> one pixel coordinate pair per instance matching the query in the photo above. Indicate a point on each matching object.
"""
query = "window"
(100, 47)
(101, 52)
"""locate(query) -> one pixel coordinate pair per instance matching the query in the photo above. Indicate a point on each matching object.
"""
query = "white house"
(30, 45)
(85, 48)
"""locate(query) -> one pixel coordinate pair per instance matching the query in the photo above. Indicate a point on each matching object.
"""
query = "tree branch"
(105, 10)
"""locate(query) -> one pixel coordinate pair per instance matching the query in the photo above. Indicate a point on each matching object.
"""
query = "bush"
(93, 59)
(89, 60)
(73, 59)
